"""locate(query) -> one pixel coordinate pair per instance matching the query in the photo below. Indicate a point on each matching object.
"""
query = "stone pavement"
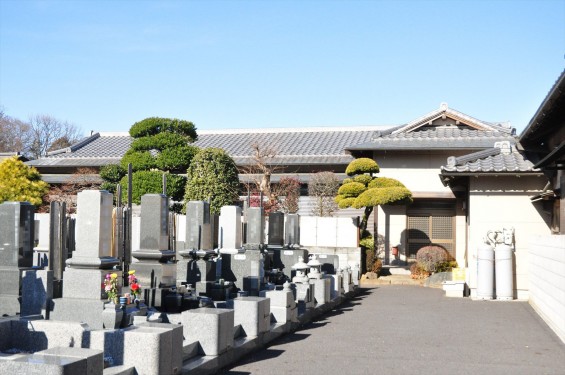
(402, 329)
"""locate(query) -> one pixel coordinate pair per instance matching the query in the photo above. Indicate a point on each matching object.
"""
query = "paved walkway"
(400, 329)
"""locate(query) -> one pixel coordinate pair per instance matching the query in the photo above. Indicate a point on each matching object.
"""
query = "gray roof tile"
(294, 146)
(490, 160)
(438, 138)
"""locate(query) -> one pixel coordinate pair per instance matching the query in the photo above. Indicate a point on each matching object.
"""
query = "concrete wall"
(547, 280)
(504, 202)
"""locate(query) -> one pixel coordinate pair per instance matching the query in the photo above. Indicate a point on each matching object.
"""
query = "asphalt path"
(401, 329)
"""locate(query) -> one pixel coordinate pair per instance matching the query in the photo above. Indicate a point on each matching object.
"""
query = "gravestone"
(276, 229)
(330, 263)
(284, 259)
(16, 251)
(255, 229)
(154, 268)
(37, 292)
(198, 226)
(245, 270)
(198, 238)
(229, 236)
(292, 231)
(83, 296)
(41, 249)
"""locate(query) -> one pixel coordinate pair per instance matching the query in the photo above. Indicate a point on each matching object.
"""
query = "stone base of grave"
(37, 292)
(191, 271)
(237, 267)
(79, 310)
(10, 281)
(156, 297)
(284, 259)
(86, 283)
(9, 305)
(155, 275)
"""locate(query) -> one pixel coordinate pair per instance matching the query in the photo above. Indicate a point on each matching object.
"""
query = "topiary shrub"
(140, 160)
(384, 182)
(431, 256)
(151, 182)
(112, 173)
(175, 159)
(155, 125)
(159, 141)
(363, 179)
(212, 175)
(344, 202)
(361, 166)
(351, 189)
(381, 196)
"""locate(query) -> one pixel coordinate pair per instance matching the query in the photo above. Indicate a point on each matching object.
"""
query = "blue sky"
(103, 65)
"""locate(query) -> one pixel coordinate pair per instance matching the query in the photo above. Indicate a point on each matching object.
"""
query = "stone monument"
(16, 251)
(155, 270)
(83, 296)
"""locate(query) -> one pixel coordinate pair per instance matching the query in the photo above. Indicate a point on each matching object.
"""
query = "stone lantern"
(315, 268)
(300, 267)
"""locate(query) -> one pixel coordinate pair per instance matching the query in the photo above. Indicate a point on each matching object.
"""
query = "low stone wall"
(547, 280)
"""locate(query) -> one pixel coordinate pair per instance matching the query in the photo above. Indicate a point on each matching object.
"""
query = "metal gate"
(427, 226)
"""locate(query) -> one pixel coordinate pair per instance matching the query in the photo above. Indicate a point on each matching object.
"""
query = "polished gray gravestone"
(292, 230)
(83, 297)
(246, 267)
(155, 270)
(276, 229)
(255, 228)
(16, 251)
(289, 255)
(230, 230)
(199, 238)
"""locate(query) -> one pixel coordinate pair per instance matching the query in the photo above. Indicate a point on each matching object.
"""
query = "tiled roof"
(444, 111)
(503, 158)
(438, 138)
(318, 147)
(291, 146)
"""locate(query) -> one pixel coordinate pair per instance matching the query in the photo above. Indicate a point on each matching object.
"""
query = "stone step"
(395, 270)
(390, 280)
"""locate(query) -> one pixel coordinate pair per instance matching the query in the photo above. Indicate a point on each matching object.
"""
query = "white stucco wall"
(547, 280)
(504, 202)
(418, 172)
